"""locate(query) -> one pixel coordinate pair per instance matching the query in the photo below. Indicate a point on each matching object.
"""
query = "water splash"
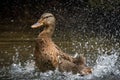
(105, 64)
(106, 67)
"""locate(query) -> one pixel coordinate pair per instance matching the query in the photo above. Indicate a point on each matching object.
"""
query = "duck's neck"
(47, 31)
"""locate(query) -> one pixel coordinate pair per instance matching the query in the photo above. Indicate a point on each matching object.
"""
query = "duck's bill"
(36, 25)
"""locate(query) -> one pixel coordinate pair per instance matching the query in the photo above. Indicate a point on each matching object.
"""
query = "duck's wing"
(78, 60)
(64, 55)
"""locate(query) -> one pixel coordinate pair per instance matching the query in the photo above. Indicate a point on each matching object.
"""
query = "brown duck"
(48, 56)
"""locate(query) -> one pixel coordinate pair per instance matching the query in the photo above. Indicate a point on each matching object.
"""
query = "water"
(17, 61)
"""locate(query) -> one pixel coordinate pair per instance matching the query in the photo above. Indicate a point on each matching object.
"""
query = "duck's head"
(47, 20)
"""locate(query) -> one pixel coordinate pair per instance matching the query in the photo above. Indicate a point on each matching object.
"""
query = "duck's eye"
(46, 16)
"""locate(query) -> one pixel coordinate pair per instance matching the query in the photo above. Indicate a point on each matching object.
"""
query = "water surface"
(17, 61)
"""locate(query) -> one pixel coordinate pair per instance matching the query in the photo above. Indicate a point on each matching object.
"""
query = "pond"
(17, 61)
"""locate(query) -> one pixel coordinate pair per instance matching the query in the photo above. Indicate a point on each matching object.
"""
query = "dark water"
(17, 61)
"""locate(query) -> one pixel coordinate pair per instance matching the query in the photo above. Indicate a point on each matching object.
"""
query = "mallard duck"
(48, 56)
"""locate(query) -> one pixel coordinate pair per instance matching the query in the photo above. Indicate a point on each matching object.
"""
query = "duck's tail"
(79, 59)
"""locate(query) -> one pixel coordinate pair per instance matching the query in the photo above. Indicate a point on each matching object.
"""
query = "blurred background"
(99, 16)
